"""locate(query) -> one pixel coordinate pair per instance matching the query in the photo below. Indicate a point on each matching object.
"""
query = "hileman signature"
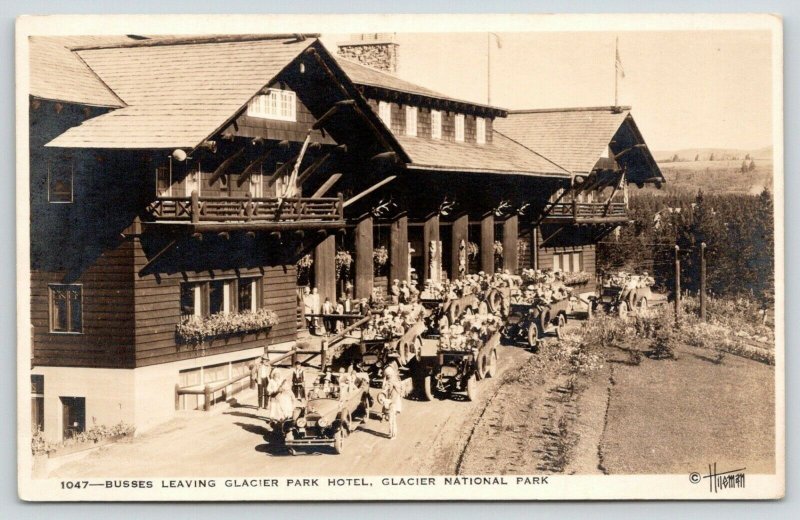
(733, 479)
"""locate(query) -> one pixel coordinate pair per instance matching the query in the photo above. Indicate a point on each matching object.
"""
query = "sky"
(687, 89)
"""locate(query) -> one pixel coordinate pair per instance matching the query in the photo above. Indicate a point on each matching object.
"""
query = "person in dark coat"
(298, 381)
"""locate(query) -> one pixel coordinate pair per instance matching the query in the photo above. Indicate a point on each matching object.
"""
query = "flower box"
(195, 330)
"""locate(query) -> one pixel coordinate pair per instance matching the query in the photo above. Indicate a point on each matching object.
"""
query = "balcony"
(218, 214)
(586, 212)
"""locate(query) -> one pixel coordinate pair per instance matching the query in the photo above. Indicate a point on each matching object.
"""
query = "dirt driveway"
(232, 442)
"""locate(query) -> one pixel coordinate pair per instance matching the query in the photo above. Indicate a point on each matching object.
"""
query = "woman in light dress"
(281, 403)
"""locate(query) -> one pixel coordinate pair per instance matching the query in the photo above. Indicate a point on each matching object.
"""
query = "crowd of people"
(469, 333)
(541, 287)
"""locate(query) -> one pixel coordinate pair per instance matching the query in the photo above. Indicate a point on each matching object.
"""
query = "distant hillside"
(708, 154)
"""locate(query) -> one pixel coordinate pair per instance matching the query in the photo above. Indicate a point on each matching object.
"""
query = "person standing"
(308, 308)
(316, 306)
(264, 372)
(298, 381)
(327, 310)
(393, 392)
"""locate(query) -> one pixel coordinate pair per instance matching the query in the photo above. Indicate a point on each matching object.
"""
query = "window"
(164, 181)
(66, 308)
(569, 262)
(247, 299)
(436, 124)
(192, 182)
(411, 121)
(37, 403)
(256, 185)
(480, 130)
(191, 300)
(460, 128)
(275, 104)
(385, 113)
(220, 296)
(59, 181)
(73, 411)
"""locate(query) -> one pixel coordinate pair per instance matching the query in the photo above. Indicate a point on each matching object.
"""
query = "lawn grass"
(677, 416)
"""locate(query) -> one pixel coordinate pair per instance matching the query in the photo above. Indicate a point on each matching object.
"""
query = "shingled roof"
(58, 74)
(372, 77)
(575, 138)
(177, 94)
(502, 155)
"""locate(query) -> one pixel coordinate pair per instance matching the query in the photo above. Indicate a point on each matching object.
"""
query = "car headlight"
(301, 422)
(322, 423)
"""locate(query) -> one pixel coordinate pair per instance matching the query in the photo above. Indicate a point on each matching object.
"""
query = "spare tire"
(544, 320)
(495, 300)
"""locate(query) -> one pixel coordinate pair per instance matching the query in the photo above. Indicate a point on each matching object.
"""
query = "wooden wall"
(589, 260)
(107, 340)
(157, 311)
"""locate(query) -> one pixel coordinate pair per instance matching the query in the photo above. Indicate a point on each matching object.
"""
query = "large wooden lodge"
(178, 177)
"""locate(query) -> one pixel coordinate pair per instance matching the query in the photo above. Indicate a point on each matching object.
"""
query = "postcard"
(403, 257)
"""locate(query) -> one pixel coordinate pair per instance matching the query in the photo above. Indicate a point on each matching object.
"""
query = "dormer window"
(411, 121)
(460, 128)
(275, 104)
(480, 130)
(436, 124)
(385, 113)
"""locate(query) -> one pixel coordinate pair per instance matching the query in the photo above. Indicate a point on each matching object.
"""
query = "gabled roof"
(502, 155)
(573, 138)
(577, 138)
(177, 94)
(372, 77)
(58, 74)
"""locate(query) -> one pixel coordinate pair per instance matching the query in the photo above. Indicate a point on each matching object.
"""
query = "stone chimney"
(376, 50)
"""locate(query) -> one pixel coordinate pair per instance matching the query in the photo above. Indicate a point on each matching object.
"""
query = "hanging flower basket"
(522, 247)
(195, 330)
(498, 249)
(380, 256)
(343, 261)
(472, 250)
(305, 262)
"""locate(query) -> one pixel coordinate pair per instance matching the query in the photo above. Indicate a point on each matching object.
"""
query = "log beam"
(364, 263)
(430, 233)
(460, 237)
(325, 268)
(333, 179)
(487, 244)
(398, 254)
(224, 166)
(510, 238)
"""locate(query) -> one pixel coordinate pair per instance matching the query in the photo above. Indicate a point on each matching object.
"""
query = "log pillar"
(430, 233)
(460, 232)
(487, 244)
(325, 268)
(364, 262)
(510, 237)
(535, 247)
(398, 254)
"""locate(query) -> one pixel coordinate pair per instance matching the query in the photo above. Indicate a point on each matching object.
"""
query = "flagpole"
(488, 68)
(616, 72)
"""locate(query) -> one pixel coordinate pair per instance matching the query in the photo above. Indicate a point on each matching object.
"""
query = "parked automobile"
(329, 414)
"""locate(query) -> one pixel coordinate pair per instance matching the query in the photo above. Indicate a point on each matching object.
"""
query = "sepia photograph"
(400, 258)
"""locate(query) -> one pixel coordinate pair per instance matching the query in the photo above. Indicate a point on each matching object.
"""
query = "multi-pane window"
(460, 128)
(436, 124)
(480, 130)
(59, 181)
(275, 104)
(164, 181)
(219, 296)
(411, 121)
(247, 297)
(569, 262)
(385, 112)
(66, 312)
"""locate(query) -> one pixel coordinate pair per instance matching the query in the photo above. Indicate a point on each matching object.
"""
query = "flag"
(618, 63)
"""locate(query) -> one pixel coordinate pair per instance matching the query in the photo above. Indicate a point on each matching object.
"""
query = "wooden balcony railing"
(586, 211)
(243, 211)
